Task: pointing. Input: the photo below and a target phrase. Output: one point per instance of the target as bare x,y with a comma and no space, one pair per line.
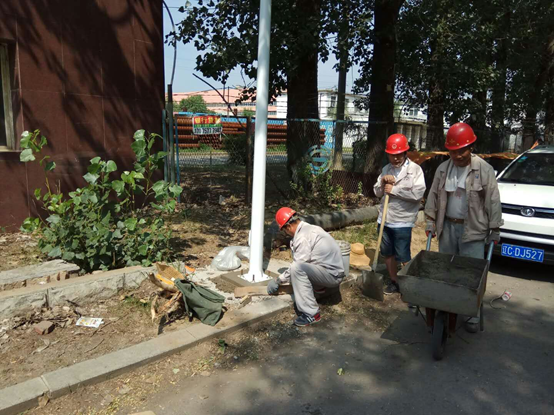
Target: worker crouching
317,264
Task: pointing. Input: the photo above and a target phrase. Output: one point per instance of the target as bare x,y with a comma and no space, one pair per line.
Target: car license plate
522,252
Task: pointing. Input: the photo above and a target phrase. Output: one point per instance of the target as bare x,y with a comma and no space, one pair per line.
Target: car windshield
531,168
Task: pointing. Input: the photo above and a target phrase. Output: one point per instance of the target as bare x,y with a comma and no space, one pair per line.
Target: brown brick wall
87,73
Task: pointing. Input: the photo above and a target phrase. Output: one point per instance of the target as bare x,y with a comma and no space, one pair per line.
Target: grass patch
357,233
136,304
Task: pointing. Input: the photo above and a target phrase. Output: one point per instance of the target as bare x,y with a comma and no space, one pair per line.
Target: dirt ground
127,393
17,250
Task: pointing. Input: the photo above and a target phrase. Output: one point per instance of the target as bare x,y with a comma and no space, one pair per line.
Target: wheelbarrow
446,285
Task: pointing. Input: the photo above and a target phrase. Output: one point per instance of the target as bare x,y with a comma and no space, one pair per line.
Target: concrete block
21,301
86,290
66,380
31,272
21,397
133,279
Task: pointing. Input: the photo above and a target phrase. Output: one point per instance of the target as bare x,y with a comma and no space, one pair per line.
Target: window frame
7,98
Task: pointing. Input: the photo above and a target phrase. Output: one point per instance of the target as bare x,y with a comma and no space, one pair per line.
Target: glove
494,236
430,228
272,287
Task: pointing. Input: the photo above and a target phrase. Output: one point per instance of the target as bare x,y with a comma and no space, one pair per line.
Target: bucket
345,252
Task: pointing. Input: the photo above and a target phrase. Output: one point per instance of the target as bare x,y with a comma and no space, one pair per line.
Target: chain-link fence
214,165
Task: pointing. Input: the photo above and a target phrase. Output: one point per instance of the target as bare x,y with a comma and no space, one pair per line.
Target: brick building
87,73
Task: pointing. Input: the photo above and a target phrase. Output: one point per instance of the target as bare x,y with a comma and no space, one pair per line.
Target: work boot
306,320
391,288
472,325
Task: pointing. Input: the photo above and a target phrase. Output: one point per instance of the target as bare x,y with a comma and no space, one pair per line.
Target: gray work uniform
317,263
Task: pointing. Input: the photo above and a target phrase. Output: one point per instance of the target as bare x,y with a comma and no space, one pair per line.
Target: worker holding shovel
463,207
317,263
403,185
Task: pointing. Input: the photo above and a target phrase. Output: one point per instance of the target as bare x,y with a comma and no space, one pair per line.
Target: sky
186,62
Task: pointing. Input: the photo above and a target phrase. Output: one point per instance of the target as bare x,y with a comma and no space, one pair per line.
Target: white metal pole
256,273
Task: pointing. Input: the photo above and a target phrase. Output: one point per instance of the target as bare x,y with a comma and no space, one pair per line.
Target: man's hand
494,236
272,287
388,179
388,188
430,229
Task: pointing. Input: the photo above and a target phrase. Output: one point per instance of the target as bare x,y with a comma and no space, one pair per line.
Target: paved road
505,370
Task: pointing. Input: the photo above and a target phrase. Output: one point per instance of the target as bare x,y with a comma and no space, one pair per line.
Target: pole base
254,277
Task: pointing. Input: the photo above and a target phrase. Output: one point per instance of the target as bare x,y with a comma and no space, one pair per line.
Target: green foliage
109,222
195,104
316,189
236,147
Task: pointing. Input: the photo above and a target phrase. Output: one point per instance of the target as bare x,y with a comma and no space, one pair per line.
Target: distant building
215,102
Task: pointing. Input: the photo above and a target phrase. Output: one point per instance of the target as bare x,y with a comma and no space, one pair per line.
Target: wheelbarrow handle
429,241
489,253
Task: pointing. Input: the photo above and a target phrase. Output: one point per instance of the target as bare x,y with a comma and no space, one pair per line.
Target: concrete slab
32,272
24,301
134,278
20,397
82,292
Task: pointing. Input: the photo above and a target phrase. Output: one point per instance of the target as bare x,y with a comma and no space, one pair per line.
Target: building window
413,112
6,114
333,101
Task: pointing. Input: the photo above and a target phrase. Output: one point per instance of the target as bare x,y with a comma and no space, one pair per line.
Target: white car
527,195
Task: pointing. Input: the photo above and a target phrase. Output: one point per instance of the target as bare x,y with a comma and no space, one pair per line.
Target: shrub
116,220
237,148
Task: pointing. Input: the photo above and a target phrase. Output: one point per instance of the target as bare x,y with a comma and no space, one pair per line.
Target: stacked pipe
276,134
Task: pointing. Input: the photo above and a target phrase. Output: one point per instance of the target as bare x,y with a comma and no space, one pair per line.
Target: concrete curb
83,290
25,395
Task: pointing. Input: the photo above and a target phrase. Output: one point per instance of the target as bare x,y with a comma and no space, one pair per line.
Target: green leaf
139,135
56,252
51,165
53,219
139,148
68,256
111,166
117,234
38,193
25,139
159,187
80,256
175,190
118,186
138,175
77,200
26,155
95,160
131,223
143,249
94,168
30,225
91,178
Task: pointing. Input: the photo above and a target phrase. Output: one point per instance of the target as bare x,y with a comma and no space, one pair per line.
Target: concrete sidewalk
505,370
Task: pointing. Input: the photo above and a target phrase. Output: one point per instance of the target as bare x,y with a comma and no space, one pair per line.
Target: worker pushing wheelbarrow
463,210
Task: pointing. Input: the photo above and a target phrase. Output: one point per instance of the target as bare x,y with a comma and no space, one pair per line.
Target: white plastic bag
229,258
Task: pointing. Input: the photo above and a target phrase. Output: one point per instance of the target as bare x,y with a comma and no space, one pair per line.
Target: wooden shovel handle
381,228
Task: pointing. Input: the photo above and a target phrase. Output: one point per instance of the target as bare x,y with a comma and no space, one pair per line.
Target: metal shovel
372,282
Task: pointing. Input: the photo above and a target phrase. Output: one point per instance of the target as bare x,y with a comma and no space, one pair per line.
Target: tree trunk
302,94
529,128
435,105
549,113
478,121
343,70
381,96
499,87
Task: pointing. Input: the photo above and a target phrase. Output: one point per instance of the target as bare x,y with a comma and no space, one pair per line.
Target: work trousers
450,242
304,278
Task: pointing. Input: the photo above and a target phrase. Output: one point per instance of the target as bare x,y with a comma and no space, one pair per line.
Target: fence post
248,181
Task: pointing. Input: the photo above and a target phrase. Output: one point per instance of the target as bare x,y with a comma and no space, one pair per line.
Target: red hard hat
459,135
396,144
283,215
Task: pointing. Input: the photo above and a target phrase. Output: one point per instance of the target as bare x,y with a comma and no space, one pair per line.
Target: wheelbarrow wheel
440,334
481,318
